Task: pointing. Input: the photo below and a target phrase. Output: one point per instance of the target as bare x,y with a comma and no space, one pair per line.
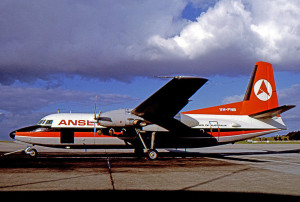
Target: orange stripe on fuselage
38,134
57,134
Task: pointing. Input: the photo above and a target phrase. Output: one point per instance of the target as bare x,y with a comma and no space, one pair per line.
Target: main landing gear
152,153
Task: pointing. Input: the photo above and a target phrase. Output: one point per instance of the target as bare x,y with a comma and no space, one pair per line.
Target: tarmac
234,169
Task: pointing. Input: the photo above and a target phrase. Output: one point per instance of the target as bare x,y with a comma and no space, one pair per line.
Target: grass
269,142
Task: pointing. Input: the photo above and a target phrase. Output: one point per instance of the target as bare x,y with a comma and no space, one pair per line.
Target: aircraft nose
12,135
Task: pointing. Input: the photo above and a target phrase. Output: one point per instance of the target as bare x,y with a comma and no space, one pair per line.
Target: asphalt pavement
253,169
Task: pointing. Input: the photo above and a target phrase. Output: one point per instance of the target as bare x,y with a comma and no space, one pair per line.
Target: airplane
158,123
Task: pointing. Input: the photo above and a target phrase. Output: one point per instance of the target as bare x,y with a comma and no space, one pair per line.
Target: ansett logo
263,90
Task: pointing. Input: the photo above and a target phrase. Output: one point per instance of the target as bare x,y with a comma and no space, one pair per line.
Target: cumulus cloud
91,38
214,29
241,31
121,40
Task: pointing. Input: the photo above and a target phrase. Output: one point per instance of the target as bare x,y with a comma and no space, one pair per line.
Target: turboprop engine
120,118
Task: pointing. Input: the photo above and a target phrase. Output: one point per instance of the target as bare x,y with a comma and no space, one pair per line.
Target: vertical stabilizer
260,96
261,93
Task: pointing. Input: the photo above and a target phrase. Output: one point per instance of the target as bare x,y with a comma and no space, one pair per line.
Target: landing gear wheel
152,154
31,152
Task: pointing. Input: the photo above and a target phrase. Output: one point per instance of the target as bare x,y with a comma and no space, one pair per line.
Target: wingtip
190,77
181,77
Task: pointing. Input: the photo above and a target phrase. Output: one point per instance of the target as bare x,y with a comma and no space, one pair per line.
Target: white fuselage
80,129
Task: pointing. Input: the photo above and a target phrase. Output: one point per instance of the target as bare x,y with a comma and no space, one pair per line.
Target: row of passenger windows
45,122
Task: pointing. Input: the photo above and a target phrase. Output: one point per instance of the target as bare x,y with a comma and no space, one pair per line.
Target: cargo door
67,136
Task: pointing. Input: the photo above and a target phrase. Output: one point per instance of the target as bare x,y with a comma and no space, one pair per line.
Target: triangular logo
263,90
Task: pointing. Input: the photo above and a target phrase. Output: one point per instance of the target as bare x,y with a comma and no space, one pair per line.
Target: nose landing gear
31,152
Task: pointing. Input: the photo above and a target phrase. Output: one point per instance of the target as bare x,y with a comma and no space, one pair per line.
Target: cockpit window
45,122
49,122
41,121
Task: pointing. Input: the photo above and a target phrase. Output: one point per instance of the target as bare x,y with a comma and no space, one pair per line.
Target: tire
152,154
31,152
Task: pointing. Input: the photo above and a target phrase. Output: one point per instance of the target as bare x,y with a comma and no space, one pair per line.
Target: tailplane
271,112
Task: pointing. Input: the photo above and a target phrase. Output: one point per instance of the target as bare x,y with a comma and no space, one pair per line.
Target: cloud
90,38
286,96
13,121
230,36
291,96
121,40
212,30
232,99
14,99
23,106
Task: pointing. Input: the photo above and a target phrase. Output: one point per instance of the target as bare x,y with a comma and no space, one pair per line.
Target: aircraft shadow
163,155
229,155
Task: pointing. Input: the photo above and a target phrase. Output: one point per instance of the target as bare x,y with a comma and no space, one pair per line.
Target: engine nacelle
120,118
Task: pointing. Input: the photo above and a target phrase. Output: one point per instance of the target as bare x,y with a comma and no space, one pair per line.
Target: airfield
268,169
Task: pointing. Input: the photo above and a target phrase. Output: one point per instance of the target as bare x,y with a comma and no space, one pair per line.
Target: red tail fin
261,93
260,96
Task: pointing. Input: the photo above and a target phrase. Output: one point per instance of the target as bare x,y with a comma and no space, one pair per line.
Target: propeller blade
99,115
95,111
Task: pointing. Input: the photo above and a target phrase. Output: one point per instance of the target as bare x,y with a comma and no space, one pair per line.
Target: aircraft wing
164,104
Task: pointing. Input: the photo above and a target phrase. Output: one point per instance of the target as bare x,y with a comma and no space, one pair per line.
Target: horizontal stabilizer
272,112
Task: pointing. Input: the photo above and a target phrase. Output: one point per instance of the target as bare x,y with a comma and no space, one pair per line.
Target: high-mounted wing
163,105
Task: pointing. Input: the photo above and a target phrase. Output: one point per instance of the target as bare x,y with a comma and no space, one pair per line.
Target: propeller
98,118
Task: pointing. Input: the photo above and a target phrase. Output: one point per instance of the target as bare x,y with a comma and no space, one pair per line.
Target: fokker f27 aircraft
157,123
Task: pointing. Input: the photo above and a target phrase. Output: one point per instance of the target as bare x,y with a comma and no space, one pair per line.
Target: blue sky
62,54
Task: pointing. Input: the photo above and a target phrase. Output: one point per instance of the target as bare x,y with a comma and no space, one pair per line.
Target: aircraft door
66,136
214,129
